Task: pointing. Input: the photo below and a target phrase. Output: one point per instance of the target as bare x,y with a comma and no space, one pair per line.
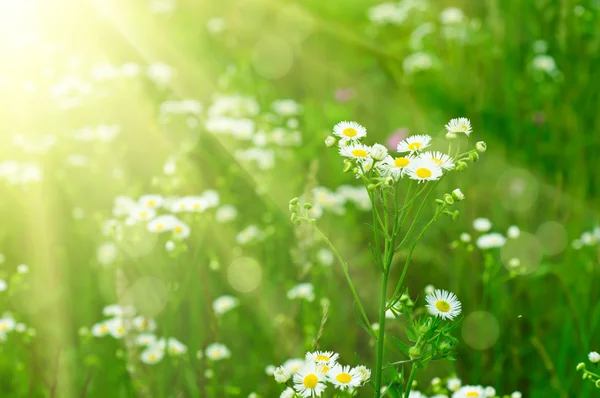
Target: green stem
411,377
348,279
381,338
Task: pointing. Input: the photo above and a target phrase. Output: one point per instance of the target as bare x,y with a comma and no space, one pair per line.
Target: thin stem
348,279
411,377
414,222
381,338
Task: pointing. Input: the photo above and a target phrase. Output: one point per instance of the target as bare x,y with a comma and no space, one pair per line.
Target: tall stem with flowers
400,187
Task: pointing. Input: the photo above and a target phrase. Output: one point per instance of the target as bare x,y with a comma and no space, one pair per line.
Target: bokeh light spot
272,57
517,189
552,237
148,295
527,249
244,274
480,330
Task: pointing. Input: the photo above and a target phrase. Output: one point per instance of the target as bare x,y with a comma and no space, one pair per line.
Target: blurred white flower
490,241
217,352
482,224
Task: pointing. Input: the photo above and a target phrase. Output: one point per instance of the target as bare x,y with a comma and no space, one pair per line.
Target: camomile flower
364,373
309,381
459,125
99,330
343,377
414,143
145,339
482,224
349,130
181,229
224,304
443,304
162,223
116,328
594,357
7,325
175,347
445,161
322,357
424,170
395,166
356,151
144,324
142,214
217,352
365,166
288,393
490,241
293,365
151,201
453,383
281,375
469,392
152,355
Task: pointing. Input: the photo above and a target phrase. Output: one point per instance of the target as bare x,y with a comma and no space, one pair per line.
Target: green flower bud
330,141
461,166
404,298
423,329
439,201
294,201
473,156
580,366
598,383
445,347
347,166
410,303
371,187
307,206
458,195
481,146
389,181
450,135
455,215
448,199
414,352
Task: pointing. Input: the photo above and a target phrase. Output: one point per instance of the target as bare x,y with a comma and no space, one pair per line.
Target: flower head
349,130
470,391
310,381
594,357
459,125
445,161
424,170
443,304
414,143
343,377
356,151
395,167
217,352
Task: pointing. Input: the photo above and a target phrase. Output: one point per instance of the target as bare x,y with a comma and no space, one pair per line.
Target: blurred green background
526,73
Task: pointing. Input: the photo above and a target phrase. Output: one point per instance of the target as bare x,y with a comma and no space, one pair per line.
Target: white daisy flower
226,213
293,365
453,383
327,359
465,237
364,372
162,223
594,357
349,130
424,170
459,125
224,304
144,324
142,214
490,392
217,352
146,339
281,375
151,201
356,151
152,355
343,377
513,232
482,224
175,347
445,161
304,291
98,330
395,167
414,143
181,229
288,393
490,241
443,304
7,325
309,381
116,328
469,392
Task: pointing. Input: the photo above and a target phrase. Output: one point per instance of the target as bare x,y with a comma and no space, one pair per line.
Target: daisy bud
281,375
294,201
307,206
598,383
378,152
389,181
371,187
423,329
410,304
347,166
461,166
445,346
330,141
295,220
414,352
580,366
294,208
594,357
473,156
448,199
404,298
455,215
458,195
481,146
439,201
450,136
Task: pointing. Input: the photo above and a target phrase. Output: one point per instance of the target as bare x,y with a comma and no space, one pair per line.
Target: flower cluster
452,387
310,377
588,238
592,375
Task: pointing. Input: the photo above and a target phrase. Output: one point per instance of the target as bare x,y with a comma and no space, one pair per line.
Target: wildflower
451,16
151,201
459,125
429,289
465,237
513,232
443,304
395,167
181,230
458,195
516,394
152,355
288,393
286,107
514,263
293,365
469,391
424,170
482,224
3,285
162,223
22,268
378,152
490,392
481,146
330,141
100,329
144,324
175,347
224,304
304,291
490,241
349,130
453,383
594,357
414,143
269,370
325,358
146,339
116,328
309,381
343,377
325,257
170,245
544,63
364,373
217,352
281,375
355,151
441,159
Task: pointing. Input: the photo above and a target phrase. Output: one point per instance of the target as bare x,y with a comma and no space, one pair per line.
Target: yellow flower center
360,153
423,172
182,206
401,162
343,378
415,146
445,307
3,327
438,161
196,206
160,227
311,380
178,229
472,394
151,203
152,357
143,214
349,132
322,358
464,128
